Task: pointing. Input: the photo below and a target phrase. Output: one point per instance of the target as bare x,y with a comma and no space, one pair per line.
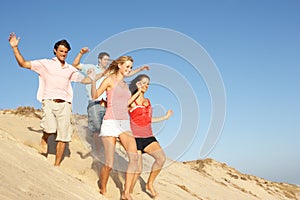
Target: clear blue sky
254,45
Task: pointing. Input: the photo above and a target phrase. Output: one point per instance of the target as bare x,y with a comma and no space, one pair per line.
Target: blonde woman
116,120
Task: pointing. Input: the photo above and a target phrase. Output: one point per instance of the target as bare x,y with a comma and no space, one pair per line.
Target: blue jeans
95,116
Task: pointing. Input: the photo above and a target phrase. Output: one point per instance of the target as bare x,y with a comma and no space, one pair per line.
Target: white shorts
113,127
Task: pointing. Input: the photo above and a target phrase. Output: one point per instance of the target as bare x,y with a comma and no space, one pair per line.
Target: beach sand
26,174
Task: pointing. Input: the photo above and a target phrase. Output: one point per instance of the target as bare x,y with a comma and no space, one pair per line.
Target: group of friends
115,110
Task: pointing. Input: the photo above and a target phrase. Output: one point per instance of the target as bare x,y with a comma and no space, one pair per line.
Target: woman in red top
140,122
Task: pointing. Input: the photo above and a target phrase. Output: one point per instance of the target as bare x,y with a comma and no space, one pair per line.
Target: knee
133,158
161,160
134,163
107,167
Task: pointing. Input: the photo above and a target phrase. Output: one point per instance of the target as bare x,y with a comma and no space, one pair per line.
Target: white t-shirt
98,70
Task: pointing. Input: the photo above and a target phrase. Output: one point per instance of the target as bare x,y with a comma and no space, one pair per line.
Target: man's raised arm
76,62
14,41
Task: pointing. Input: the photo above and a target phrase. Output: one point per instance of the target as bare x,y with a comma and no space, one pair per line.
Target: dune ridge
25,174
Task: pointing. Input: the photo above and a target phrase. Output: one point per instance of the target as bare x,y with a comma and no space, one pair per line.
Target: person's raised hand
91,73
13,40
139,86
84,50
169,114
146,67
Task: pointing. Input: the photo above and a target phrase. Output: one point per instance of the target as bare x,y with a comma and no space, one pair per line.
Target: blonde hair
114,68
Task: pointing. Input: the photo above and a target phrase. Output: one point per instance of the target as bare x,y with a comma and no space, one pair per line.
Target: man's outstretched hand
13,40
91,73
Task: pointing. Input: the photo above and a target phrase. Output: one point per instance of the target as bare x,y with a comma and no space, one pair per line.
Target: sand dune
25,174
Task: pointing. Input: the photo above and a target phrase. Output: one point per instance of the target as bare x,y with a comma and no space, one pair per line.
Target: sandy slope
25,174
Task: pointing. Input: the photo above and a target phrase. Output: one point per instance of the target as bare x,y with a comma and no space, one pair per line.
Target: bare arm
104,86
98,76
76,62
95,93
133,72
88,80
133,97
14,41
167,116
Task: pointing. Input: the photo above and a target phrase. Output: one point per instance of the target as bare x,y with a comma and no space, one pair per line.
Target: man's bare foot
126,196
44,144
151,190
43,148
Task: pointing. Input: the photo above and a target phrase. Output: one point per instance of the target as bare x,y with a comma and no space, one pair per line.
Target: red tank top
140,120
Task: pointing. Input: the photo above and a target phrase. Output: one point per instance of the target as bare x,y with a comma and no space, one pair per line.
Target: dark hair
132,86
102,54
62,42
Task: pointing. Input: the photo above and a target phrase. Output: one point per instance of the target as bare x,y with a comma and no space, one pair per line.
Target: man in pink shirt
55,92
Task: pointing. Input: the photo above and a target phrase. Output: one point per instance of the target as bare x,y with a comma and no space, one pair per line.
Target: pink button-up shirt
55,80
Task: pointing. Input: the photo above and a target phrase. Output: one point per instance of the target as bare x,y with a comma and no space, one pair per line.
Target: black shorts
142,143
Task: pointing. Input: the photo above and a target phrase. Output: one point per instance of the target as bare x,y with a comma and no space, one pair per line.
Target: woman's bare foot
151,190
104,193
126,196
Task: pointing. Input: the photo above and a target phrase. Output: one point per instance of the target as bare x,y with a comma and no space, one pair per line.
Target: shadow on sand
120,163
52,144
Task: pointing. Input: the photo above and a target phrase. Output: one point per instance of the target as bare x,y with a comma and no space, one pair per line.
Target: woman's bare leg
138,172
109,144
158,154
129,144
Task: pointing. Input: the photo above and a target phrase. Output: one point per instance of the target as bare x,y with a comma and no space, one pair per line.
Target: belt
59,101
102,103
